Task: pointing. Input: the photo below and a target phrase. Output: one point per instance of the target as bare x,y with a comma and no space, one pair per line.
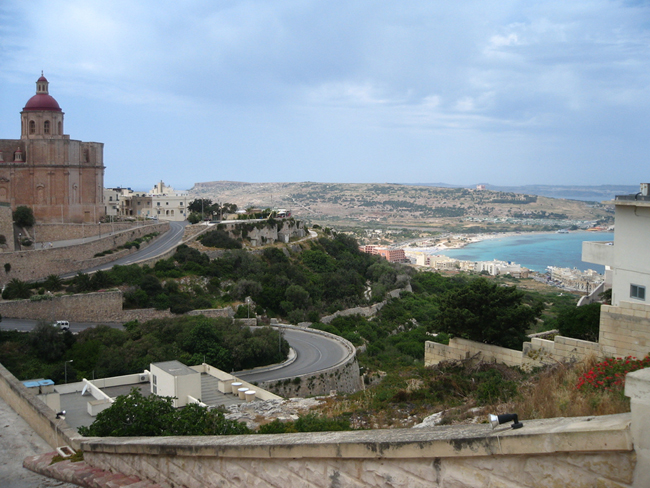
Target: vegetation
103,351
138,415
485,312
16,290
24,216
580,322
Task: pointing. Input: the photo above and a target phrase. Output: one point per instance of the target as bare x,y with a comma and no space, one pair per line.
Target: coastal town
427,254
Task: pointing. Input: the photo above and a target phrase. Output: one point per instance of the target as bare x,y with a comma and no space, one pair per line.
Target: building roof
175,368
42,101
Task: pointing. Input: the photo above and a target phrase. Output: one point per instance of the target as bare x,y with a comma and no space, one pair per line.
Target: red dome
42,101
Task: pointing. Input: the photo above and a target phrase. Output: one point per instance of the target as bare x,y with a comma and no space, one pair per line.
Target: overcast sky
463,92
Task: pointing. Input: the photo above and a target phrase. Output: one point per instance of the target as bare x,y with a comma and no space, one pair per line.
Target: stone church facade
59,178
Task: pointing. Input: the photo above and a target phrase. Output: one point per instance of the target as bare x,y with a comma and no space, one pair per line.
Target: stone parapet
578,452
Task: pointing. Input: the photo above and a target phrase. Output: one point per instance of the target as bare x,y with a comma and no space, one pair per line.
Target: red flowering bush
610,374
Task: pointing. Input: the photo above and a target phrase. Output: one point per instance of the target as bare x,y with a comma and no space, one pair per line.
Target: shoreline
463,240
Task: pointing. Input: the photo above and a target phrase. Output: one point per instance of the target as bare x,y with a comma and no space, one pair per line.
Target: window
32,127
46,127
637,291
158,204
59,132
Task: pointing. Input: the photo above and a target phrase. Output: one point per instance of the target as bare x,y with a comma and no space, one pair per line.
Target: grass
466,391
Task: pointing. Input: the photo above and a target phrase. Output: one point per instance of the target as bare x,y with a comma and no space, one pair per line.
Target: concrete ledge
565,435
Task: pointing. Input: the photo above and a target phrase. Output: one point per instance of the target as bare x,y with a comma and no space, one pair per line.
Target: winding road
314,352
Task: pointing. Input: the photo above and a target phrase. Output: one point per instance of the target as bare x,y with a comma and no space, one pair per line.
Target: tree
482,311
24,216
16,290
136,415
580,322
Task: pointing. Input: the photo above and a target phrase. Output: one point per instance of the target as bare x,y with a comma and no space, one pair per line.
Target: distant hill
400,205
585,193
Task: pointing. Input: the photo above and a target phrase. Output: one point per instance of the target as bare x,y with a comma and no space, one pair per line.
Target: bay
533,251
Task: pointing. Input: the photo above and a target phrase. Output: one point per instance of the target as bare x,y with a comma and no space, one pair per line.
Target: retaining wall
103,307
344,377
37,264
624,331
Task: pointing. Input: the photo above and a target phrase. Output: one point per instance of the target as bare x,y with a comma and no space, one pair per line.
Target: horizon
525,94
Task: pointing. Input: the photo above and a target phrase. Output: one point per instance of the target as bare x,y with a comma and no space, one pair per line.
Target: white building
167,203
627,260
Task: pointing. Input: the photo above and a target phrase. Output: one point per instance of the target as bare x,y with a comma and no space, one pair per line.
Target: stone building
59,178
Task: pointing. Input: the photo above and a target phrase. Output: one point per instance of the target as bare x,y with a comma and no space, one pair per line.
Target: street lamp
65,367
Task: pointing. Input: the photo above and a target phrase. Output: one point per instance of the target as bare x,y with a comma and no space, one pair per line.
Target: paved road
159,246
315,353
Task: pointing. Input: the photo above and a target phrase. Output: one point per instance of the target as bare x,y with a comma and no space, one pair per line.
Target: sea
534,251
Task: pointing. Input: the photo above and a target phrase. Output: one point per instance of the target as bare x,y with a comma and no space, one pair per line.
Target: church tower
41,118
60,179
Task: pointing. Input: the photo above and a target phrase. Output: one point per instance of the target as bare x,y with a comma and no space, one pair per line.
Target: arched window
59,132
32,127
46,127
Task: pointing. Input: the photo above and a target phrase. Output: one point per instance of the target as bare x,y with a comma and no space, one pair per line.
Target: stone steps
83,474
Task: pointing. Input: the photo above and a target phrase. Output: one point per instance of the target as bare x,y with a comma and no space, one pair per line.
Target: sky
500,92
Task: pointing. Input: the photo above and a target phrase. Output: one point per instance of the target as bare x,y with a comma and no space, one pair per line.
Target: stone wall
6,227
103,307
365,311
462,349
625,330
39,416
61,232
582,452
344,377
37,264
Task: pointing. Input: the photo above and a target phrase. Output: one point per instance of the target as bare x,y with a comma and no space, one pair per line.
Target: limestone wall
61,232
580,452
625,330
103,307
36,264
344,377
462,348
6,227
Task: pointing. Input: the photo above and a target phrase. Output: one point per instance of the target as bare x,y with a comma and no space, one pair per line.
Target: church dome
42,101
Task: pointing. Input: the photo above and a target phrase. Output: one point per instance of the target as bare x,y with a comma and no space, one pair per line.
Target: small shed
174,379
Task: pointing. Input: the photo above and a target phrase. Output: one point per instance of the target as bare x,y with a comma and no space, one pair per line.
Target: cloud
476,72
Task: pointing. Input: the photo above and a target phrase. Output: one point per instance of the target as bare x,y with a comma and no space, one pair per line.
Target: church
60,179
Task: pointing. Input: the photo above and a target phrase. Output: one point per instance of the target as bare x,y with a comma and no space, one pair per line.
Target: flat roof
175,368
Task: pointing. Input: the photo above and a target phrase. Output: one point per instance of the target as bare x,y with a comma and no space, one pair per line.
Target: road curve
315,353
159,246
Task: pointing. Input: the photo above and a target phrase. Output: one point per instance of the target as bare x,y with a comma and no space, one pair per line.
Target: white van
62,324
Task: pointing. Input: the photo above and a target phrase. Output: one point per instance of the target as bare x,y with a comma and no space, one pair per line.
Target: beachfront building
495,268
576,280
392,255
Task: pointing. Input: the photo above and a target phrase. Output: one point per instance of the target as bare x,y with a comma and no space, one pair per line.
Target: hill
399,205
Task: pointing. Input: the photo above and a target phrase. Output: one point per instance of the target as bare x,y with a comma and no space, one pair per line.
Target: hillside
398,205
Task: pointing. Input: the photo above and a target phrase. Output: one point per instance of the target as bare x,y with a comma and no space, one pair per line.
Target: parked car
62,324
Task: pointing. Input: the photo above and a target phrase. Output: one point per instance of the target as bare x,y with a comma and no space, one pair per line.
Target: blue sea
534,251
